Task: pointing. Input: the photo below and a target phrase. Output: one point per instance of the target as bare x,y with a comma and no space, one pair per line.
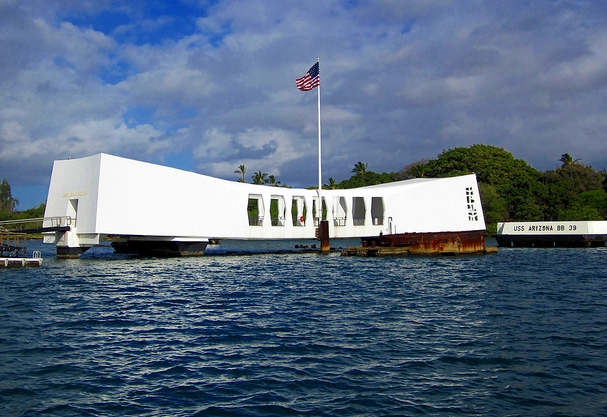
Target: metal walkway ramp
38,225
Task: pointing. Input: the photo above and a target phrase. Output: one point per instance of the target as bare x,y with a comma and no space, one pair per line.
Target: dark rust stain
431,243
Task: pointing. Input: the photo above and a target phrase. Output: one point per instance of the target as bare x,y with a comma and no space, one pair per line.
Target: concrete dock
7,262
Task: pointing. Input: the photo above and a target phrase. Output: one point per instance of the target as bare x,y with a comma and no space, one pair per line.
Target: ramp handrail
55,221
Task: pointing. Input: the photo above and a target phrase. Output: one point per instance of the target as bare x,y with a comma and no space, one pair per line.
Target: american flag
310,80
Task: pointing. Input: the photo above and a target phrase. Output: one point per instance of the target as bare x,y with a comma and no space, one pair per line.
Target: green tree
494,207
31,213
332,185
597,200
259,178
603,174
567,192
360,169
7,202
568,160
273,181
580,178
371,178
415,169
513,180
241,171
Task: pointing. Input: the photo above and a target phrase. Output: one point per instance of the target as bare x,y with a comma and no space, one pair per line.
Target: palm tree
260,178
332,184
241,171
568,163
359,169
567,160
272,181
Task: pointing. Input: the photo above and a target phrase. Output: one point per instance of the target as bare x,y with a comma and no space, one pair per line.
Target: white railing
20,224
339,221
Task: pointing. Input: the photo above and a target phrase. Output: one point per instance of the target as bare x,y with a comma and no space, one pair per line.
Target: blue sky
210,85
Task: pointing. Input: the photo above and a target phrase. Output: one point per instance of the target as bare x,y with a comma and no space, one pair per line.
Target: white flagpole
319,154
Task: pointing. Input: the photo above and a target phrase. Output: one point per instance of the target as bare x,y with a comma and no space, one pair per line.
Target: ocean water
518,333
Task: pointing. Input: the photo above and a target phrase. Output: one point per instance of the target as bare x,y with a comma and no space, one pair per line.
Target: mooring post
325,244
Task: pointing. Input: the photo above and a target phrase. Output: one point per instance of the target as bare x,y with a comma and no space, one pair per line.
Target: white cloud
401,81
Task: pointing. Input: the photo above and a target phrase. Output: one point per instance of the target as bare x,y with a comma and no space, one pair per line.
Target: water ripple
518,333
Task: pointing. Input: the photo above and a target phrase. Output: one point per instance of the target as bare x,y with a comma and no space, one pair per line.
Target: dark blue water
520,333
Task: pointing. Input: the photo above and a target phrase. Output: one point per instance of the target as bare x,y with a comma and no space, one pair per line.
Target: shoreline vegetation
511,189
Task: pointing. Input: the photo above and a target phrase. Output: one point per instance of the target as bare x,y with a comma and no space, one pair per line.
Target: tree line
259,178
360,178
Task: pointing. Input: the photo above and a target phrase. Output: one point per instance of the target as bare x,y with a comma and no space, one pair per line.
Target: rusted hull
441,243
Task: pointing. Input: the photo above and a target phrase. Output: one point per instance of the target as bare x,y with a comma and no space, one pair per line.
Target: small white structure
143,206
552,234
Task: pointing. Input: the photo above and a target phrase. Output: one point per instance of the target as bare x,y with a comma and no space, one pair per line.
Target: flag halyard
311,80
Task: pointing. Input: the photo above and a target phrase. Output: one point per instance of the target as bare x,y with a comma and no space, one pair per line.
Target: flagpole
323,225
319,155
